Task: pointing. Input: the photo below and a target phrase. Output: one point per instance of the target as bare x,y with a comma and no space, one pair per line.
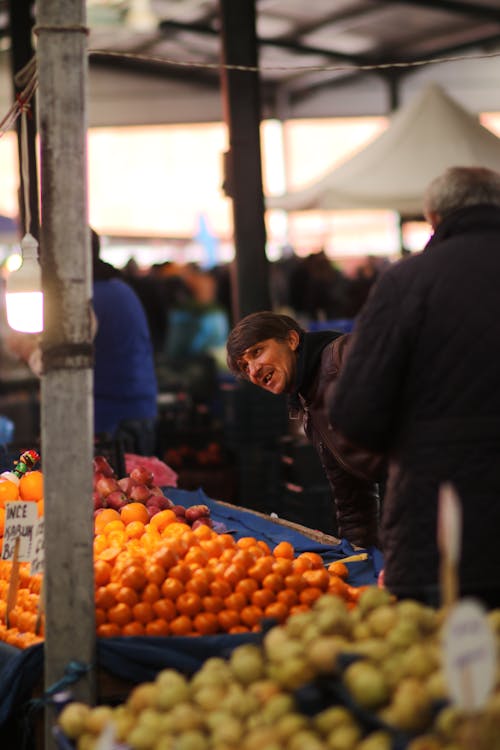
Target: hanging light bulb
23,291
140,16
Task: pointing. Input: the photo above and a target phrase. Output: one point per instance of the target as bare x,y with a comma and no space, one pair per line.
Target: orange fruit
134,576
262,597
273,581
151,593
189,603
235,601
288,597
155,573
284,549
277,610
206,623
251,615
158,627
212,603
309,595
318,577
234,573
339,569
108,630
171,588
133,530
245,542
2,521
182,625
261,568
133,628
120,614
228,619
104,517
204,532
181,571
246,586
127,595
221,588
337,586
142,612
316,560
104,599
102,572
295,582
283,566
134,512
162,519
116,525
31,485
165,555
8,491
165,609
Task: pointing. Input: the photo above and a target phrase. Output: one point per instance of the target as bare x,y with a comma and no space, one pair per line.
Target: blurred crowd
189,309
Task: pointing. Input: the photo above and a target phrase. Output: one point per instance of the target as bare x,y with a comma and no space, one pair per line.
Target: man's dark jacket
422,382
351,471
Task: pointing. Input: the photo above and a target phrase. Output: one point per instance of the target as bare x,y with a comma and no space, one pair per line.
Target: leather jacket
352,472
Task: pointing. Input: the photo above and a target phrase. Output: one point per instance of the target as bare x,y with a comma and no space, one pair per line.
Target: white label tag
469,655
20,520
38,556
107,738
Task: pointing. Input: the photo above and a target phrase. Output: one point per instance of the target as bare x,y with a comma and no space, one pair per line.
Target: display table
122,662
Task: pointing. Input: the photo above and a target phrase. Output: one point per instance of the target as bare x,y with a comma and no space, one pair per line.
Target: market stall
125,661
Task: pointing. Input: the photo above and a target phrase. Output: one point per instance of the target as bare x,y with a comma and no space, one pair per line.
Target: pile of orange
163,578
160,577
23,616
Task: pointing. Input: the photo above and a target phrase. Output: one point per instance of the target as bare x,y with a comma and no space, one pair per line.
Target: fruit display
162,569
331,678
23,482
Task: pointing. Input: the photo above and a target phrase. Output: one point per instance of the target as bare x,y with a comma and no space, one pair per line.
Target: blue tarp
139,659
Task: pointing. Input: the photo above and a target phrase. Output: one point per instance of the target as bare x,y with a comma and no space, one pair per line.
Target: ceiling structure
157,61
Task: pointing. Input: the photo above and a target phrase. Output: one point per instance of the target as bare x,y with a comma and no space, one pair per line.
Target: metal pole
67,382
241,99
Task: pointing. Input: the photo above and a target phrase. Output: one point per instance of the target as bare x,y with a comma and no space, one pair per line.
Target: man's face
271,363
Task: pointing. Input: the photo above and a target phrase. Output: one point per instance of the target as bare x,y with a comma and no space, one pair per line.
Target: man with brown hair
273,352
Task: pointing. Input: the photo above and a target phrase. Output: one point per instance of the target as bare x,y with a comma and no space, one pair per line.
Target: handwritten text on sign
38,556
20,521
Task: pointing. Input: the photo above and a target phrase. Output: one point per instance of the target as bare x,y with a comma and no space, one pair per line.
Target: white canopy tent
429,134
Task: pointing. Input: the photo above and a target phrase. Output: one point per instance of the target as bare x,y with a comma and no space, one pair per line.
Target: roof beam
475,10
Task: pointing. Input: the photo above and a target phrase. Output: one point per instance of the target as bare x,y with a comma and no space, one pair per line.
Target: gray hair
458,187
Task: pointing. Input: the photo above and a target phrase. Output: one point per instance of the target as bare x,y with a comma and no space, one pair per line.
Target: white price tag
107,738
469,655
20,520
38,556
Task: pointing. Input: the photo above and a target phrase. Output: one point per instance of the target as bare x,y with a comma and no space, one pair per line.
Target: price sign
469,655
20,521
38,557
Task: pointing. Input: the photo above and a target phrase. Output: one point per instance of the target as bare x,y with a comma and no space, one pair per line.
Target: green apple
367,684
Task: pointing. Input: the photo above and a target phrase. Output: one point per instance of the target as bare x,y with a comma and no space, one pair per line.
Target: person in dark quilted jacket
422,384
273,352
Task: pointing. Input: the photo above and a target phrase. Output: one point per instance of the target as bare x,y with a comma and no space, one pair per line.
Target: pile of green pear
250,701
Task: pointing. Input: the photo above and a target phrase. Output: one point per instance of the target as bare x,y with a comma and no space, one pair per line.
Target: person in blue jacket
125,387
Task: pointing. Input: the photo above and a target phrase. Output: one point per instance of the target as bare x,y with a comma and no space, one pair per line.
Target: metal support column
67,402
243,179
